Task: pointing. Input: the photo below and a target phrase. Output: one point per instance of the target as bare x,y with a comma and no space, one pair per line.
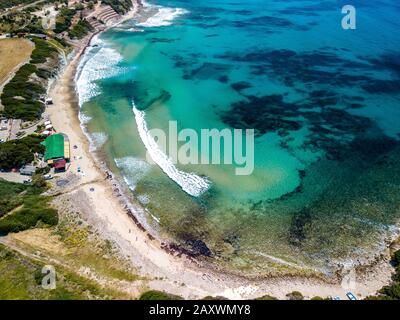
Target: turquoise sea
324,103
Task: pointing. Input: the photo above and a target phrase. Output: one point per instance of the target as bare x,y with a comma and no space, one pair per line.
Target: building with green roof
57,147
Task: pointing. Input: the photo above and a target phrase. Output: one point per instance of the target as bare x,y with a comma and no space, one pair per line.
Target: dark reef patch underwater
325,106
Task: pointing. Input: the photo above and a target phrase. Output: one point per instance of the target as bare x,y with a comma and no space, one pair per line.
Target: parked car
351,296
48,177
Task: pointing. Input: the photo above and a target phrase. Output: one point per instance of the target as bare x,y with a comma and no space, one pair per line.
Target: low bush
295,295
80,30
42,51
158,295
23,207
392,291
27,218
267,297
17,153
64,18
11,197
20,96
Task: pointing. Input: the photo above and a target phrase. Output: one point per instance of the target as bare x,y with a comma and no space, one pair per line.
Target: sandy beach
101,203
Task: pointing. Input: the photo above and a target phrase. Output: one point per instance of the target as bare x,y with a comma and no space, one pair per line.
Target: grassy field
21,279
13,52
87,266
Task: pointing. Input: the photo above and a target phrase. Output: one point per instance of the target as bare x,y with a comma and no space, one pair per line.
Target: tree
38,181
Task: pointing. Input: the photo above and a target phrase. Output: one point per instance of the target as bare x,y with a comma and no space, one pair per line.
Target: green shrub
211,298
38,181
27,218
4,4
26,106
120,6
266,297
64,18
158,295
295,295
396,258
80,30
43,170
17,153
11,197
392,291
42,51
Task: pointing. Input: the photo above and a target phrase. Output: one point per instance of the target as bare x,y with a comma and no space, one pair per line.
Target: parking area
4,129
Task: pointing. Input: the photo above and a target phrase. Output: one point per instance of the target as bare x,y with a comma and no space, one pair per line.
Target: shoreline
110,215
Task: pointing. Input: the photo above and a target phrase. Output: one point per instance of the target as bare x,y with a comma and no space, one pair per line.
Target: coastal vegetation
21,279
120,6
23,207
266,297
17,153
42,51
4,4
64,19
81,29
391,291
64,22
20,21
21,95
13,52
68,242
295,295
158,295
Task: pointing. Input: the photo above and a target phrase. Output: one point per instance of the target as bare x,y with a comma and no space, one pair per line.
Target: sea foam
164,16
191,183
132,169
100,62
97,140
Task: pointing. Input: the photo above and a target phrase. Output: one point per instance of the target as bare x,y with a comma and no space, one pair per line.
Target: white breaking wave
144,199
189,182
83,118
99,63
97,140
133,170
163,17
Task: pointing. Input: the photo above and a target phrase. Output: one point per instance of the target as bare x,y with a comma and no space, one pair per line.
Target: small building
27,170
59,165
57,148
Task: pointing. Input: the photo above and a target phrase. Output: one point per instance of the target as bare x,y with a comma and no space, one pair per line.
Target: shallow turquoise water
323,102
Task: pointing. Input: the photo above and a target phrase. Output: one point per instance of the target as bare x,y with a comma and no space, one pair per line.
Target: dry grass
75,251
13,52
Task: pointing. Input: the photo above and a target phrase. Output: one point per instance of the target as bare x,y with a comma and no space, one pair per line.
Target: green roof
54,147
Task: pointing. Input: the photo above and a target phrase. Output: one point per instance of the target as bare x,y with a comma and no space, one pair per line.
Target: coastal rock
198,247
